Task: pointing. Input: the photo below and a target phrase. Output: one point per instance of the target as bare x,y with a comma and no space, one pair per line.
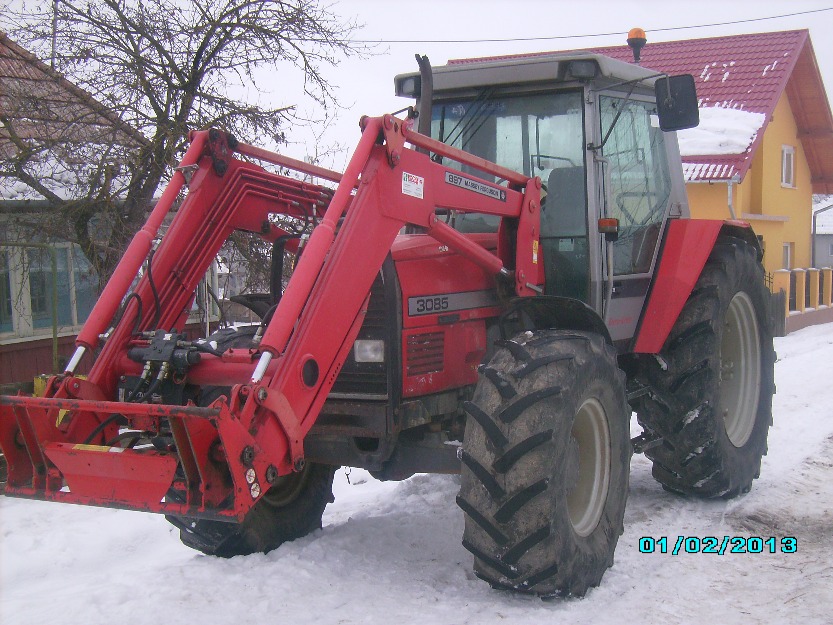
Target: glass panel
534,135
639,180
538,135
5,295
787,159
86,284
40,287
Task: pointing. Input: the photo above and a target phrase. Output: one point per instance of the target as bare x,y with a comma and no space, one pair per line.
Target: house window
788,166
26,290
41,288
788,256
830,253
28,284
6,324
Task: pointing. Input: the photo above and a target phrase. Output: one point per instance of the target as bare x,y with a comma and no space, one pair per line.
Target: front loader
495,282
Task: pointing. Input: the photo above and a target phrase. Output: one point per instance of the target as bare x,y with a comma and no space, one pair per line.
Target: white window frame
788,166
787,256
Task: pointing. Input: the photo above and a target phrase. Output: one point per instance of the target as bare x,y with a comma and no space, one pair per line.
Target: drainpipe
732,181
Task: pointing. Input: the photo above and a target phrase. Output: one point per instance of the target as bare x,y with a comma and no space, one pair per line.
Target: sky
365,86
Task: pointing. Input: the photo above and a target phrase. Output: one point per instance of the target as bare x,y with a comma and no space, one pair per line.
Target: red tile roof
45,106
747,72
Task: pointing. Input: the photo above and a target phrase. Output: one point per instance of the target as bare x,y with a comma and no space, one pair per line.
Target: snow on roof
721,131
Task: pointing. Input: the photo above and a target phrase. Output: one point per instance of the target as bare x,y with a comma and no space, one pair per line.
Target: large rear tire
546,459
711,388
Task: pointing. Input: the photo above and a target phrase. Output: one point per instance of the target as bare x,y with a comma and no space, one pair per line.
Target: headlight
369,351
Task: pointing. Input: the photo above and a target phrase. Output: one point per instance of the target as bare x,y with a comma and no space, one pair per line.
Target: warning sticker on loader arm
413,185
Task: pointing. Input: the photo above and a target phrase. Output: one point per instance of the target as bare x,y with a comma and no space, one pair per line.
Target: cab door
638,193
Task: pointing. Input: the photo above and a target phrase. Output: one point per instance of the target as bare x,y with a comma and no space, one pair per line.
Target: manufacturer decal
413,185
535,252
450,302
482,188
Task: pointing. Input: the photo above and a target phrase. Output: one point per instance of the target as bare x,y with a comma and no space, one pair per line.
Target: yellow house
765,141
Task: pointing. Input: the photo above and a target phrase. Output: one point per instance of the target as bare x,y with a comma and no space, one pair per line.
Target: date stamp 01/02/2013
719,545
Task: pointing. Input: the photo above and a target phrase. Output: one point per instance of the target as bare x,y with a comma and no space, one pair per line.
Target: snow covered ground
391,553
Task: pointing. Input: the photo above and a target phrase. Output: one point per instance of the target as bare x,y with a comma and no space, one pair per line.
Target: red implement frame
225,455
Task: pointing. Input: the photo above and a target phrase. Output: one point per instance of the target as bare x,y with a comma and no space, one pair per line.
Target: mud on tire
546,459
711,388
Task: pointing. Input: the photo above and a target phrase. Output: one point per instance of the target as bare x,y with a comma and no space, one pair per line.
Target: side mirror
677,102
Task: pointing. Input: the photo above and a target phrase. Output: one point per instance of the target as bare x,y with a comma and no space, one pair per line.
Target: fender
562,313
686,248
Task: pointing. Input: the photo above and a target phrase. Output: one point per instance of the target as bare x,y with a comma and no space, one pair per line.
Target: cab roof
548,68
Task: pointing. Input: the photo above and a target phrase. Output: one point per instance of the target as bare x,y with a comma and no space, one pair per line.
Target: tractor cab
589,127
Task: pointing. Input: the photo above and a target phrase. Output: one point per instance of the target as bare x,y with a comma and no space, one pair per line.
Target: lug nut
299,465
271,474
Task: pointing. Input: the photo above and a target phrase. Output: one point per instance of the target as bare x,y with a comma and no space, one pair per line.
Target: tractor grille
369,378
425,353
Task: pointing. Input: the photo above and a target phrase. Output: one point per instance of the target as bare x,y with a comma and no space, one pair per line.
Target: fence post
827,278
813,286
800,289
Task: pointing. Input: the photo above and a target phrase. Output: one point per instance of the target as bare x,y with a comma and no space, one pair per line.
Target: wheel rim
286,489
586,500
740,370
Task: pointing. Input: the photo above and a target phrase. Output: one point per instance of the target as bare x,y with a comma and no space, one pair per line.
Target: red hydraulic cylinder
296,294
110,299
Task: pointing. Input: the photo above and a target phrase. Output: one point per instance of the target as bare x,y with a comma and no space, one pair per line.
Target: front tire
545,464
711,389
290,509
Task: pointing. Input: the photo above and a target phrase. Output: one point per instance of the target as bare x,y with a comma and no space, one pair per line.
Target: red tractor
499,279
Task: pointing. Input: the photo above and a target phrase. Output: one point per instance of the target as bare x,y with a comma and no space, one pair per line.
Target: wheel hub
586,500
740,370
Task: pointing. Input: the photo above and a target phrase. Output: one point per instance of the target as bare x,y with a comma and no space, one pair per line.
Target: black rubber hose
100,427
158,315
276,269
117,319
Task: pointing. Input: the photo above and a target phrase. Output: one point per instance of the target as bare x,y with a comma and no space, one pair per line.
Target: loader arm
64,446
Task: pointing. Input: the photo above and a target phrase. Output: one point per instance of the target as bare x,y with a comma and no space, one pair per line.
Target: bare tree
160,68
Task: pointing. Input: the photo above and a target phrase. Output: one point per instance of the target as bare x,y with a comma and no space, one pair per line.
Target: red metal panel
113,474
427,269
437,358
687,246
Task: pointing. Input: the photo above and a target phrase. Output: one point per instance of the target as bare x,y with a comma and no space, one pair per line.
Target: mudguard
686,248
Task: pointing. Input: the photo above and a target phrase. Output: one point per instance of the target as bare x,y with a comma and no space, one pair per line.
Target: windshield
530,134
537,135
